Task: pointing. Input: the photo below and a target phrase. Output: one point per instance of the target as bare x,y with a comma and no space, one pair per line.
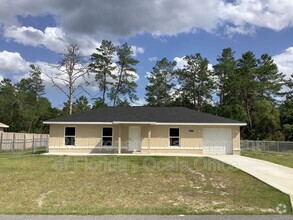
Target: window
69,135
107,137
174,136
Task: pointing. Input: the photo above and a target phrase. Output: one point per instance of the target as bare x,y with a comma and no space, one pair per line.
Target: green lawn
282,158
34,184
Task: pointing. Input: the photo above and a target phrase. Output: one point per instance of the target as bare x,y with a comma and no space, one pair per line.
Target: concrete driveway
279,177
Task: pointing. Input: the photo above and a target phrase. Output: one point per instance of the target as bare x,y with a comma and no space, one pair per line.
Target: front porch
115,139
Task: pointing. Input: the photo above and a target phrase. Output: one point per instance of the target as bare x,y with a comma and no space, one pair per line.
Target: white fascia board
76,123
134,122
205,124
3,125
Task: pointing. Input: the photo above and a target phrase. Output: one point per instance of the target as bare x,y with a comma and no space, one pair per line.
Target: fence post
13,143
24,142
47,143
1,140
33,144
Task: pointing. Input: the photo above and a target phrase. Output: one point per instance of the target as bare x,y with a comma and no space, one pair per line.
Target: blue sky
37,31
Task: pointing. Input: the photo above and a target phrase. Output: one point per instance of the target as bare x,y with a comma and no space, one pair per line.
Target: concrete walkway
279,177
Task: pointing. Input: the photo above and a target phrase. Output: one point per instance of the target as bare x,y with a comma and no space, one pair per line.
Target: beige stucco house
2,126
144,130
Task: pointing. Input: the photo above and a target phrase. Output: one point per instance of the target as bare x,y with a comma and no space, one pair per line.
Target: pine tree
246,84
195,80
125,84
102,66
31,90
269,78
161,83
224,71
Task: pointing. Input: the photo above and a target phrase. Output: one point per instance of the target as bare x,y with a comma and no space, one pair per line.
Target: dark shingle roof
144,114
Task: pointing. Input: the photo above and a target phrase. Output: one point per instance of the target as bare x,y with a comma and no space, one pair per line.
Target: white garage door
217,141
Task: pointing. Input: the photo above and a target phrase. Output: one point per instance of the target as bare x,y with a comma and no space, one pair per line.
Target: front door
134,138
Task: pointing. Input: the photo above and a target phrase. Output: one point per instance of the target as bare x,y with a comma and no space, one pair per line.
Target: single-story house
2,126
144,130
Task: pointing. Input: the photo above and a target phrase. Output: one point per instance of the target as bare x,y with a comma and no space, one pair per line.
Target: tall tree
247,84
196,81
224,71
71,74
125,84
288,83
161,83
34,84
31,89
10,106
286,117
270,80
102,66
286,112
266,121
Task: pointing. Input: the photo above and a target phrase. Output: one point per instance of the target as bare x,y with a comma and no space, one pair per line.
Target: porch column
119,139
149,139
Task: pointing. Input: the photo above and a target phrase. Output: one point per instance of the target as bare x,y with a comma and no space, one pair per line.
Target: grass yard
285,159
34,184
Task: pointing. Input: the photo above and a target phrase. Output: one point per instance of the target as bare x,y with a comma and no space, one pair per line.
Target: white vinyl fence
22,141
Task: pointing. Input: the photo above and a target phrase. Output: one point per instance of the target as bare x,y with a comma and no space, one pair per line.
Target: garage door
217,141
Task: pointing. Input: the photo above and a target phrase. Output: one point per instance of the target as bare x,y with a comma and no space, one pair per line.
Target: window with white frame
107,139
174,137
70,136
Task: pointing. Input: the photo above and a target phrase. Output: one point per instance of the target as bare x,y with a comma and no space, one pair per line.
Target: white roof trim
75,123
142,122
134,122
3,125
204,124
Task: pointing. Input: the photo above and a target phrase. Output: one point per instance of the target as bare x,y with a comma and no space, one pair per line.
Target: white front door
134,138
217,141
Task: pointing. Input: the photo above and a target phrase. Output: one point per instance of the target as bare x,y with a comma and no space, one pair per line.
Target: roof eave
142,122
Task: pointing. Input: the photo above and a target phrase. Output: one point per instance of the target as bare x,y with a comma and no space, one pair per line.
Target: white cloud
210,67
115,19
137,50
152,59
52,38
246,15
95,20
180,63
12,63
139,102
285,62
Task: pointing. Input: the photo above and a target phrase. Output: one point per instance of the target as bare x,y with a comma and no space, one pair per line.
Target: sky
36,32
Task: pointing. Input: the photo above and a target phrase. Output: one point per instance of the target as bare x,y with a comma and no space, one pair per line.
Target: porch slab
123,154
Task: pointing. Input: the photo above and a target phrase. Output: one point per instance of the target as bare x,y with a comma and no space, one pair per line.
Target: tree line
247,89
